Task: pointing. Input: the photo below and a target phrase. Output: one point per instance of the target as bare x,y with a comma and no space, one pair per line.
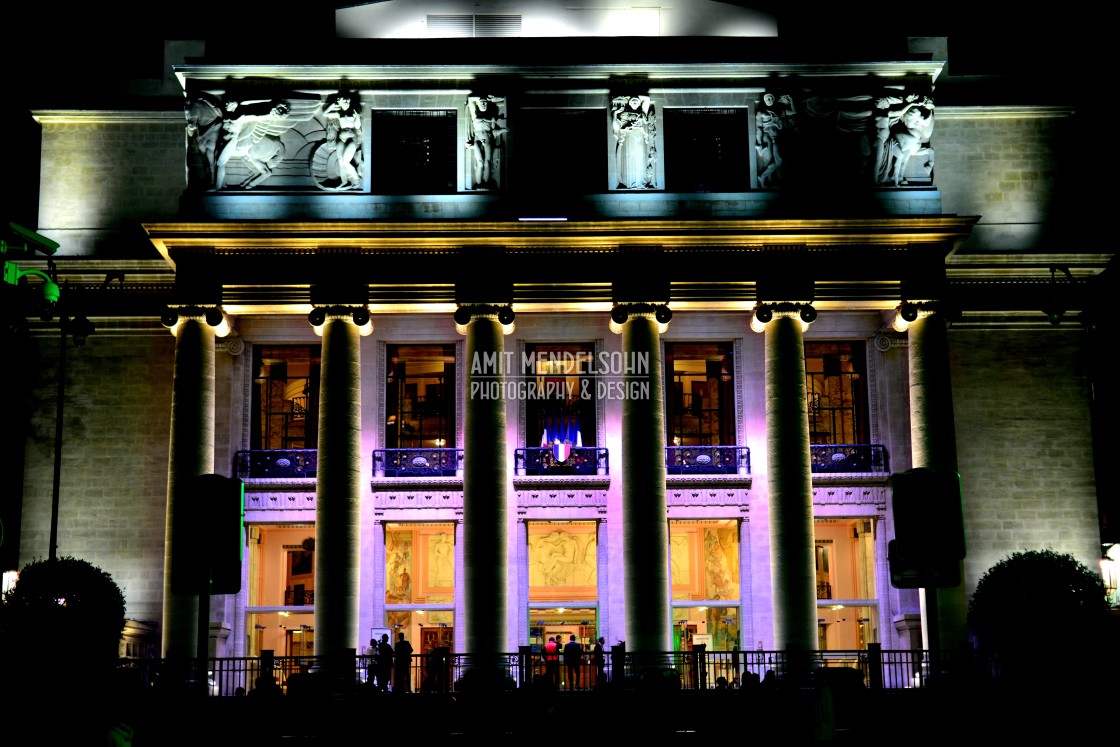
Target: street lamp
80,328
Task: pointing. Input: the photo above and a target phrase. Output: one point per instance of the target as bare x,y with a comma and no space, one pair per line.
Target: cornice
91,116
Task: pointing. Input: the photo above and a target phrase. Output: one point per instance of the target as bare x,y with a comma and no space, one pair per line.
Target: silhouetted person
266,690
299,683
573,657
599,659
402,656
552,662
384,663
769,680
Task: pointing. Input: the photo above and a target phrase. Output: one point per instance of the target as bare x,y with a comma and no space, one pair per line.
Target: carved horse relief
257,141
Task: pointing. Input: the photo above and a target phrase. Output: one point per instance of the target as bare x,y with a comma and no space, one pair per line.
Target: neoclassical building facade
505,346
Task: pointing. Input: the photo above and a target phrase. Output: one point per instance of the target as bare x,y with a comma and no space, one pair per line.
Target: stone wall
113,487
101,176
1021,403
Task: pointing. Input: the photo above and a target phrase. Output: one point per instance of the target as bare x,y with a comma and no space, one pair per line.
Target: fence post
875,666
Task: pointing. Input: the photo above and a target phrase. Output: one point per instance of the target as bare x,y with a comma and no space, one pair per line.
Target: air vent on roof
465,25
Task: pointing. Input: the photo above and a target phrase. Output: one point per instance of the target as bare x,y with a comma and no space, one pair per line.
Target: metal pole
58,408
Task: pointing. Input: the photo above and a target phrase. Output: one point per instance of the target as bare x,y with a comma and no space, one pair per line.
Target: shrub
65,605
1037,600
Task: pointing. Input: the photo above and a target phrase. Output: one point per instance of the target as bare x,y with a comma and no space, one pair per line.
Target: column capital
359,315
910,311
212,314
623,312
466,313
765,312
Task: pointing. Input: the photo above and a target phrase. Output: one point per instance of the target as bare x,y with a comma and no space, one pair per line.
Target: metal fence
440,671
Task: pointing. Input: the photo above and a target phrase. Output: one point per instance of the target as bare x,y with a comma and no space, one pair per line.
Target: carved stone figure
337,161
885,117
910,137
773,120
486,140
256,139
204,115
634,121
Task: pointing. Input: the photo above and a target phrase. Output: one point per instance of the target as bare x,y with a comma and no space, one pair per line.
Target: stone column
191,455
790,486
746,603
645,522
602,580
338,489
933,442
485,488
378,574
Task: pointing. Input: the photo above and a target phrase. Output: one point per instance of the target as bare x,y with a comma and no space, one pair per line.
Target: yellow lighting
756,325
898,324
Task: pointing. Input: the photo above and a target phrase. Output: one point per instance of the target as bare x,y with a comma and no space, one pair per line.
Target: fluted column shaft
191,454
338,490
645,525
933,443
485,554
790,486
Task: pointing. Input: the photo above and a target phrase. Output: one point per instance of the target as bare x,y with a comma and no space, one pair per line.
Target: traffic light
207,535
928,527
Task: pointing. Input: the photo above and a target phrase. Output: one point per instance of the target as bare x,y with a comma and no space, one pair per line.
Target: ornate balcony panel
577,460
417,463
277,463
707,460
865,458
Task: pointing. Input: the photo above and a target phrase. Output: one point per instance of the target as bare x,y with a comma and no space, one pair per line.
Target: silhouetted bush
1039,604
65,608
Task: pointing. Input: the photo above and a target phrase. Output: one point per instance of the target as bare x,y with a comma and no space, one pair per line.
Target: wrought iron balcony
848,458
707,460
824,590
543,460
417,462
277,463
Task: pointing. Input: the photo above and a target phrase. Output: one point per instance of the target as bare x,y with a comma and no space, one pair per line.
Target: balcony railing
288,463
417,462
441,671
848,458
543,460
707,460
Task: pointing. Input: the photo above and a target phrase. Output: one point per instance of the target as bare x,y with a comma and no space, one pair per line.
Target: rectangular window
700,408
420,397
704,561
415,151
704,558
707,150
836,390
547,142
285,397
560,375
419,564
563,561
847,605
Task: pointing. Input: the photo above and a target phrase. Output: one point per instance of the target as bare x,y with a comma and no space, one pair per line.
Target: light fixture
81,328
1108,570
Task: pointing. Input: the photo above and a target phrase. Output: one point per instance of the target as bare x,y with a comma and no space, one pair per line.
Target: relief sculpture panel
829,137
300,141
